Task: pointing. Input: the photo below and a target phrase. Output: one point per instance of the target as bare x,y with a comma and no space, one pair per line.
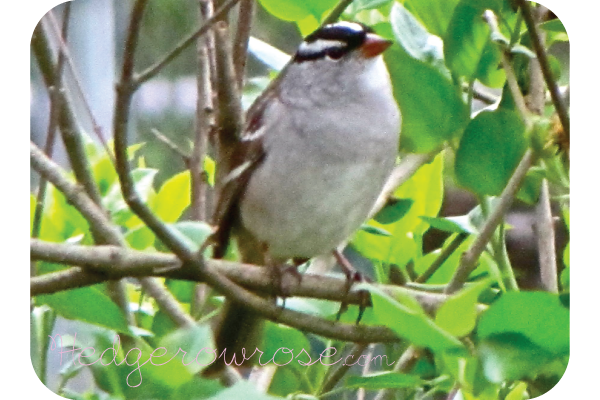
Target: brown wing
246,157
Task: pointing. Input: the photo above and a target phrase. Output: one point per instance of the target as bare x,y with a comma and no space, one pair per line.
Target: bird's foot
352,277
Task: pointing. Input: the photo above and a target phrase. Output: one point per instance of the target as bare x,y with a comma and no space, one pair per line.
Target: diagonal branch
76,196
469,259
52,126
540,52
337,11
151,71
70,129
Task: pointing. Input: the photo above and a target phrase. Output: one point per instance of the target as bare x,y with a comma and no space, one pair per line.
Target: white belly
307,222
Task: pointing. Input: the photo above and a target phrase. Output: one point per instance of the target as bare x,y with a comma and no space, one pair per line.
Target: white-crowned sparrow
316,150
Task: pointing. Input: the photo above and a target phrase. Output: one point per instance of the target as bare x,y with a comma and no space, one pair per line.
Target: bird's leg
352,276
274,272
292,269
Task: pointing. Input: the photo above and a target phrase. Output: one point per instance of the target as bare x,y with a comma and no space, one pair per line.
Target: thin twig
240,44
230,115
544,226
167,303
172,146
469,259
405,363
52,125
544,230
204,122
337,11
125,90
441,259
511,78
342,368
93,214
540,52
407,168
65,52
204,125
151,71
70,130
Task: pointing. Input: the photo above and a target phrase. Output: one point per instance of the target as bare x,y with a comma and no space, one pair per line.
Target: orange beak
374,45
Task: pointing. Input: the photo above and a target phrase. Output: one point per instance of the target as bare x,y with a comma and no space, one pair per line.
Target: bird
315,151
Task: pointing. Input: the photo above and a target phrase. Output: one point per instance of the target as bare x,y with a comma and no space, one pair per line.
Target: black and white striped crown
333,41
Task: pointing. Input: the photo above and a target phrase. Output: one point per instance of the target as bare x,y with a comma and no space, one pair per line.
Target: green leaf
489,71
140,238
173,197
410,322
360,5
519,392
373,230
114,202
307,25
61,220
538,316
425,189
458,314
89,305
393,211
383,380
458,224
510,356
445,272
193,340
415,39
434,14
489,151
193,233
243,390
292,10
554,25
277,337
529,192
433,110
210,167
466,39
104,174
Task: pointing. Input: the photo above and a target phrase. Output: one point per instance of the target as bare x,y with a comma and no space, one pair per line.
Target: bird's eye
336,53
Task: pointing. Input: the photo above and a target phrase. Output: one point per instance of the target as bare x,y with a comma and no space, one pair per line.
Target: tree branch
544,231
540,52
229,115
469,259
52,126
70,130
151,71
340,370
204,122
114,262
407,168
240,43
76,196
